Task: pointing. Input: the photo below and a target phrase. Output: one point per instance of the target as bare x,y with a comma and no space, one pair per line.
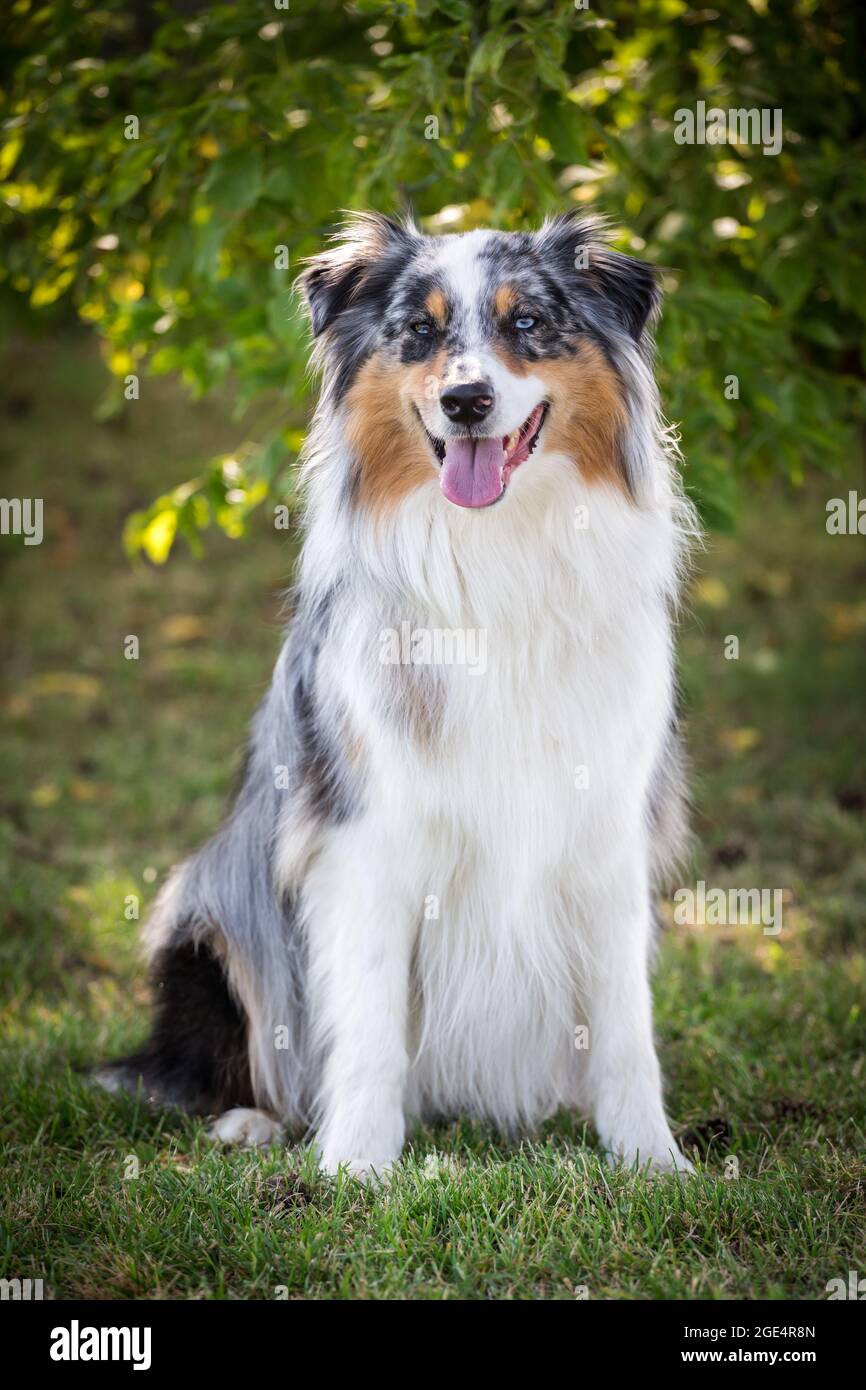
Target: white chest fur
497,825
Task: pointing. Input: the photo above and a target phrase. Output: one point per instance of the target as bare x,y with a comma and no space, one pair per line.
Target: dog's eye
421,327
525,322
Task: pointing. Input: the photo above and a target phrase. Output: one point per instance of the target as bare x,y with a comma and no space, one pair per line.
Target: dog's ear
334,278
632,287
577,243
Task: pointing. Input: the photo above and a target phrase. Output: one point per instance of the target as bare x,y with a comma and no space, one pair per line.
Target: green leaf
235,181
157,537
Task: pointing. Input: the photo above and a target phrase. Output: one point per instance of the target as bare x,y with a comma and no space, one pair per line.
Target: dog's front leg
360,929
624,1079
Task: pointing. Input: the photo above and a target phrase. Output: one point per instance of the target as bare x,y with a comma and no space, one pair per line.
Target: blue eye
525,322
421,327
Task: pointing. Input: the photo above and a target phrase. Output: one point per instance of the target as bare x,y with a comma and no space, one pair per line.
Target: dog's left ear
334,279
630,285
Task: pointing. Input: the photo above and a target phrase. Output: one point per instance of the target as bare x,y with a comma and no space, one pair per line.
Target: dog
434,894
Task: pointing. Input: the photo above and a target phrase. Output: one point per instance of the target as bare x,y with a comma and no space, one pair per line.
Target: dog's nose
468,403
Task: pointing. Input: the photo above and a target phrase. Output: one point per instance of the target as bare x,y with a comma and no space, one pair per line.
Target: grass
113,768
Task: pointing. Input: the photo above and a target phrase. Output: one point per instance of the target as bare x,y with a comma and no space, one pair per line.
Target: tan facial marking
437,307
587,413
505,300
421,382
517,366
392,456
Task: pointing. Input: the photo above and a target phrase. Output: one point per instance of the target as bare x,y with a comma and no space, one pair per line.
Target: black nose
469,403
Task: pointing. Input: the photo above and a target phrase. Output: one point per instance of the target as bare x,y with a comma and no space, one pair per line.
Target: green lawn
113,768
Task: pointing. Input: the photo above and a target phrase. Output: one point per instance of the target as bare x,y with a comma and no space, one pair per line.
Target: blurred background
163,170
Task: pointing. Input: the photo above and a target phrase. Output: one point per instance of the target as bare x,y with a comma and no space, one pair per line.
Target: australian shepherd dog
434,893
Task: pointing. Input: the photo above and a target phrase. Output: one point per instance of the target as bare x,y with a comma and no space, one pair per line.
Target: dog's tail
226,959
227,1027
197,1055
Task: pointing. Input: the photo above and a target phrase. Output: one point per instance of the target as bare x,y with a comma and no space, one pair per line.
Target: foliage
257,123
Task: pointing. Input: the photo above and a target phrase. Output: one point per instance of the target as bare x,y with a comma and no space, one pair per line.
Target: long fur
433,876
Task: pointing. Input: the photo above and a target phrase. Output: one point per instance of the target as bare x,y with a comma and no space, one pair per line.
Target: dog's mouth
475,471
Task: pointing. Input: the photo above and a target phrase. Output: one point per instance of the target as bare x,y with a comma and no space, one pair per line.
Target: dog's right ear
334,278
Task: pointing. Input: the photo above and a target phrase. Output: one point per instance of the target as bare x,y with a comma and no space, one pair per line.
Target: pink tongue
472,471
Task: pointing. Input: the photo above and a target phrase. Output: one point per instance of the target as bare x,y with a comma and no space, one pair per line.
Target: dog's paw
111,1079
673,1162
244,1128
653,1163
371,1172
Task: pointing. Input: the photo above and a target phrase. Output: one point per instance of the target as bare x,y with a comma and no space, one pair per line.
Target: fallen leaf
711,592
46,794
66,683
844,620
17,706
182,627
746,796
773,583
84,790
740,740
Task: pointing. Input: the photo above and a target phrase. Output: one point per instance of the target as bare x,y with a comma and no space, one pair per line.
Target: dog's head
467,356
